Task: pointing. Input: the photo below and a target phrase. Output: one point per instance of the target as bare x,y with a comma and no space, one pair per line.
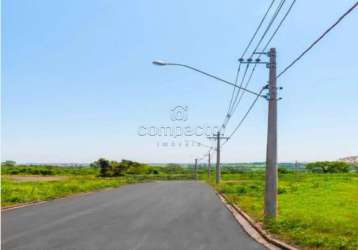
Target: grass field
316,211
30,183
17,189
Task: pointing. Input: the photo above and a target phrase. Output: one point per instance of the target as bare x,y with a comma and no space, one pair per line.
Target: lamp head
159,63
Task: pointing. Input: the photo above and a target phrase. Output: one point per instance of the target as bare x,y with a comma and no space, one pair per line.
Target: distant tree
94,165
134,168
114,168
153,170
119,169
173,168
8,163
328,167
105,167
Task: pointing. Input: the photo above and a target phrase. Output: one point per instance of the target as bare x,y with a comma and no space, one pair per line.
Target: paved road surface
176,215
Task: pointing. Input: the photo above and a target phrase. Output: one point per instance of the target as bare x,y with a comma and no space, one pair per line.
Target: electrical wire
232,95
242,55
258,28
244,117
246,84
264,49
294,61
241,83
237,97
279,25
269,24
318,39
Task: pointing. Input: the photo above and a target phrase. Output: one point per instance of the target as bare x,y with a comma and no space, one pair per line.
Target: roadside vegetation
318,202
318,209
15,191
31,183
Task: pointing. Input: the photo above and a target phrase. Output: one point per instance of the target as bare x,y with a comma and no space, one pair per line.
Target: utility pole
271,152
218,170
217,137
209,166
196,169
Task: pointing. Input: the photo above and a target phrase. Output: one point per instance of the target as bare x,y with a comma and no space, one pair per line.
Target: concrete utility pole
271,153
209,166
217,137
196,169
218,170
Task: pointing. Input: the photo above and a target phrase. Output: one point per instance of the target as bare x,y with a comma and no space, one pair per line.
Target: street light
163,63
159,63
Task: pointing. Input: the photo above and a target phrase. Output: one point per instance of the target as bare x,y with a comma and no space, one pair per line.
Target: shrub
105,167
173,168
8,164
328,167
113,168
283,171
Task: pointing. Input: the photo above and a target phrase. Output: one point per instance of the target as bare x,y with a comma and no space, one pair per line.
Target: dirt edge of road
254,229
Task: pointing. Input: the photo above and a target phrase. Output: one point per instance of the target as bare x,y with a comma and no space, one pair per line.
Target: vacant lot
316,211
23,184
27,178
23,189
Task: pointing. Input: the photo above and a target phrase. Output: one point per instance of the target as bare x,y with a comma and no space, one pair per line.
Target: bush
113,168
283,171
47,170
328,167
173,168
105,167
8,164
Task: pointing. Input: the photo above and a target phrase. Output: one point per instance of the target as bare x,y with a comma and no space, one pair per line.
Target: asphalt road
152,216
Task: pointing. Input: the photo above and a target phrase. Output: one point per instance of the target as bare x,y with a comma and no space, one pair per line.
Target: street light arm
213,76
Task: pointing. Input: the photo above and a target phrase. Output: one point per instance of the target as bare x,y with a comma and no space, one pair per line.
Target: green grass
316,211
48,170
16,192
30,183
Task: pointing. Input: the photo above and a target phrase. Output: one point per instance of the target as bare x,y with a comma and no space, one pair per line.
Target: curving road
152,216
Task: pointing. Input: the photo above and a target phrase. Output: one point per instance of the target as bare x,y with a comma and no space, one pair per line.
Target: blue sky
77,79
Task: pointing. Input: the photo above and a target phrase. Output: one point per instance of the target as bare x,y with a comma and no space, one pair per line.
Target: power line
318,39
237,99
228,114
264,49
258,28
211,149
241,82
269,25
279,25
242,55
202,157
273,18
242,93
244,117
233,91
